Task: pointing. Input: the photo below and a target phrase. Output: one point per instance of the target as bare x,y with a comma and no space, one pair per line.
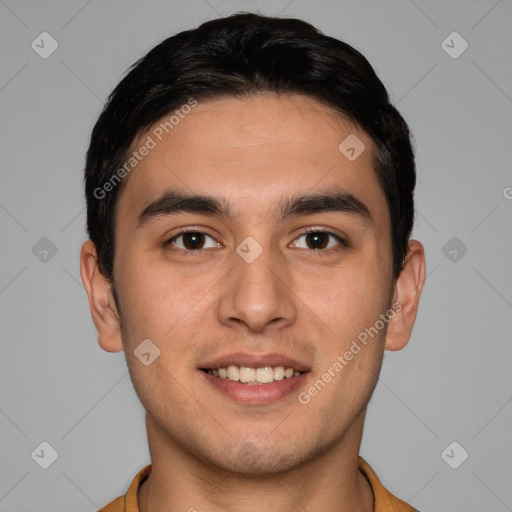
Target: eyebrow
319,202
174,202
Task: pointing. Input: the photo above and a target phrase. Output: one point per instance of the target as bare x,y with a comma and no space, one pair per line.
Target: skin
307,303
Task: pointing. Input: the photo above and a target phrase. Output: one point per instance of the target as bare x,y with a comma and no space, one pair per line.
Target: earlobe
101,301
407,292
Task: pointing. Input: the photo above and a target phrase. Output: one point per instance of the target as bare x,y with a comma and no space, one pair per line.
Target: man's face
305,296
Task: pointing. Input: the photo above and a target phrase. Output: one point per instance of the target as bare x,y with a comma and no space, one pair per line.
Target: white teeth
252,376
279,373
265,374
233,373
247,374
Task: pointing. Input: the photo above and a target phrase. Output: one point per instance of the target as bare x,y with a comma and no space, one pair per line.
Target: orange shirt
384,500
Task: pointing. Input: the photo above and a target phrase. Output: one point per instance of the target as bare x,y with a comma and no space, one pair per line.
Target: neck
180,481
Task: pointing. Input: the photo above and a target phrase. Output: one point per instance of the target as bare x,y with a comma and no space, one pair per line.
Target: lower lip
258,394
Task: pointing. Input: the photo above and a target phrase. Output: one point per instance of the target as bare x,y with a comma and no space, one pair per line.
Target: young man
250,201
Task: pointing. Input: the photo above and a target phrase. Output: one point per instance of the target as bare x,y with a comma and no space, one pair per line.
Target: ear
406,295
101,300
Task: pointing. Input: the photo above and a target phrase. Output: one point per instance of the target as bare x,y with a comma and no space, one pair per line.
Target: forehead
254,150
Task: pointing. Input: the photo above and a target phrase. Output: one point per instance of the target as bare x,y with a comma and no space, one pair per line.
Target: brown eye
191,241
318,240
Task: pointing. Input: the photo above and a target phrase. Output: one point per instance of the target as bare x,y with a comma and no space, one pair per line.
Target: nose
257,294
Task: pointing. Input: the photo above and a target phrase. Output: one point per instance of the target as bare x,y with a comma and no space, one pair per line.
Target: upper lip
254,361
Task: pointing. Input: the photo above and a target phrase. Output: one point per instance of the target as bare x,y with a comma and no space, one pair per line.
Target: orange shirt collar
384,500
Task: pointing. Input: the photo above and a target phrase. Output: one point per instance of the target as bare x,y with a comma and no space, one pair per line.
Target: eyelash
184,232
338,238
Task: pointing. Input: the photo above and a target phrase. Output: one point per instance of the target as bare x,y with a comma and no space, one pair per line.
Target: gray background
453,381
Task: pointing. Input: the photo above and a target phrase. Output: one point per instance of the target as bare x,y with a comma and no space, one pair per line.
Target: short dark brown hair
240,55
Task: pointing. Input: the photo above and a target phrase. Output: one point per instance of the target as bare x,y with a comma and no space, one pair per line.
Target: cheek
156,300
349,298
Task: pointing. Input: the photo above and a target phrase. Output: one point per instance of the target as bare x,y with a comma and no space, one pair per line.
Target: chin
253,460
